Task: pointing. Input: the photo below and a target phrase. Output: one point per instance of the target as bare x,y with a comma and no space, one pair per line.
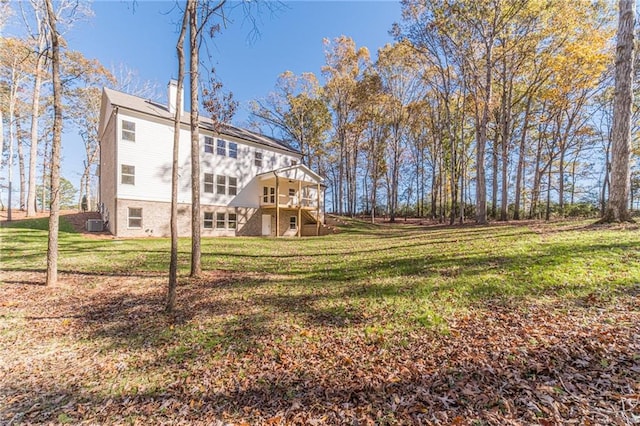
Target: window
233,186
208,183
294,162
292,192
208,144
221,183
268,195
221,147
257,159
223,220
128,175
208,220
220,221
134,217
128,131
293,222
233,150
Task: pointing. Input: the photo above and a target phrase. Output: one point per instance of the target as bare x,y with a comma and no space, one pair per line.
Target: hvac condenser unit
95,225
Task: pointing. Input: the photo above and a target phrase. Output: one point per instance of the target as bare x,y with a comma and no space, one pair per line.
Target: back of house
250,184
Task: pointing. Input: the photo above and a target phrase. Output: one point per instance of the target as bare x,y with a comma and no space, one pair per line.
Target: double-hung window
226,220
221,184
221,147
208,220
268,195
127,174
208,183
233,150
128,131
208,144
257,159
293,222
233,186
220,221
232,220
134,217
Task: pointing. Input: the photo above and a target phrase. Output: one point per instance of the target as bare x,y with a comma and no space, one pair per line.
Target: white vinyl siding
151,156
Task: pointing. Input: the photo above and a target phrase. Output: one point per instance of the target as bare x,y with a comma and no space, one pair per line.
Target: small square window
134,217
208,220
292,192
221,148
220,222
294,162
128,175
233,150
233,186
208,183
293,222
128,131
208,144
257,159
232,222
221,183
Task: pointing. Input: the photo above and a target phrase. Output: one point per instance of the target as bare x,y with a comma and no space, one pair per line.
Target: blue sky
143,38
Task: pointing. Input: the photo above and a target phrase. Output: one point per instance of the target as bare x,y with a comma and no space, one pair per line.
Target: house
250,184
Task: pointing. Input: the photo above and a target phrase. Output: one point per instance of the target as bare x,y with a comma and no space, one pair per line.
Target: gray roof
157,109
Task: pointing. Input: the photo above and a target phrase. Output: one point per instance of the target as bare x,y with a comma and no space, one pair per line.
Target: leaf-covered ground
536,324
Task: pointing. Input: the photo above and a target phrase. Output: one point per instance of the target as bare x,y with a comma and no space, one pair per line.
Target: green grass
416,275
276,324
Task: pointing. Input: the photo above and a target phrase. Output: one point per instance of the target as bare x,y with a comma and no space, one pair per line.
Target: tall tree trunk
506,138
173,261
52,248
482,126
196,262
21,170
537,179
494,177
521,160
561,182
547,215
35,111
618,205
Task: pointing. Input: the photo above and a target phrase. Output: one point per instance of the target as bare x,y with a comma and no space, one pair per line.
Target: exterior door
266,225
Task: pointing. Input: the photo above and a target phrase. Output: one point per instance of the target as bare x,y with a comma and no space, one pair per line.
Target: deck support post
277,205
318,212
299,208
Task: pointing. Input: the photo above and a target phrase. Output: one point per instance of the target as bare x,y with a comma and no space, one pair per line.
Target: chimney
172,89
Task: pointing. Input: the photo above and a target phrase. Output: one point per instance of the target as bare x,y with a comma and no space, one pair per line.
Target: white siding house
242,175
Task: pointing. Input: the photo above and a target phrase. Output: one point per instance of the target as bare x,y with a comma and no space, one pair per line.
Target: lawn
377,324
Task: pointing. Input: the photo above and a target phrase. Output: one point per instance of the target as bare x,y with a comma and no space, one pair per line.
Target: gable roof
294,172
156,109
